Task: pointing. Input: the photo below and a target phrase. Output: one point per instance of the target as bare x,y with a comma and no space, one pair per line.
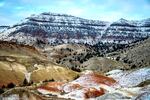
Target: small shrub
133,66
25,82
118,58
51,80
11,85
77,77
3,87
1,91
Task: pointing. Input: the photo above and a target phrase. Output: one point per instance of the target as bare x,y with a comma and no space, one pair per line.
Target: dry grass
100,64
53,72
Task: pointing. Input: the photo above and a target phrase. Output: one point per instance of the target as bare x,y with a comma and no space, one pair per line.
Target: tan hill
136,55
11,73
19,62
52,72
23,54
101,64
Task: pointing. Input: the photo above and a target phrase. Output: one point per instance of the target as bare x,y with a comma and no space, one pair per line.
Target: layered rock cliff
54,28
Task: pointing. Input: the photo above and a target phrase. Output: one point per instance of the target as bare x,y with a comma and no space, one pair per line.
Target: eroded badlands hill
22,62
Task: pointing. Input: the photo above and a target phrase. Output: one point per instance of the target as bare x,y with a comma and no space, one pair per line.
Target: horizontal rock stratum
55,28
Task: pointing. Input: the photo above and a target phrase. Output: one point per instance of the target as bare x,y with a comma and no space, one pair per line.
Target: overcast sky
12,11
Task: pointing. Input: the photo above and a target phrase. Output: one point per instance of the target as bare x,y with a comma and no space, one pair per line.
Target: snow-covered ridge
61,28
3,28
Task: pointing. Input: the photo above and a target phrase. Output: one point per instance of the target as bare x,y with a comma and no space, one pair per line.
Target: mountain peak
122,20
54,14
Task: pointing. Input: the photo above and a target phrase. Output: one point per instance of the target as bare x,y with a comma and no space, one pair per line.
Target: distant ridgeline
51,28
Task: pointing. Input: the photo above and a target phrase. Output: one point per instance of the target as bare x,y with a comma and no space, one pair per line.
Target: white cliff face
130,78
61,28
27,76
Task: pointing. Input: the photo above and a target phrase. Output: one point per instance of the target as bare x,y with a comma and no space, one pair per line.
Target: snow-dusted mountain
61,28
3,28
127,31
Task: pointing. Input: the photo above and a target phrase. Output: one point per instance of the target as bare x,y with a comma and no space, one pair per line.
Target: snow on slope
131,78
61,28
